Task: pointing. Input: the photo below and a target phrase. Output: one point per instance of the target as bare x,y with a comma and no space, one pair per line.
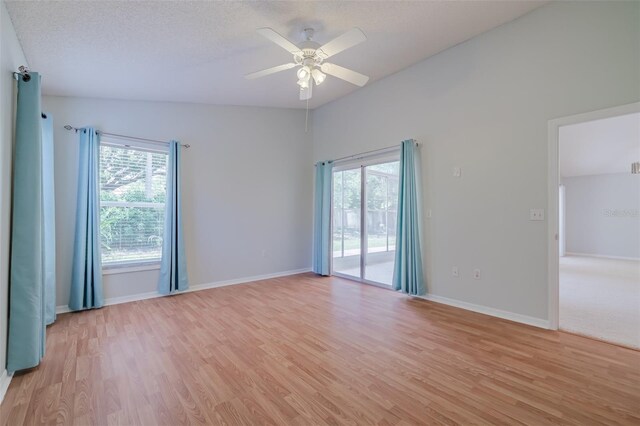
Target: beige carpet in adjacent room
600,298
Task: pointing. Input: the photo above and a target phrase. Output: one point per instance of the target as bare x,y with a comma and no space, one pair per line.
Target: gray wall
602,215
247,182
11,57
484,106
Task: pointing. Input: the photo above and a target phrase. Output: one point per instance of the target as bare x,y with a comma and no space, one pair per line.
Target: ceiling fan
309,57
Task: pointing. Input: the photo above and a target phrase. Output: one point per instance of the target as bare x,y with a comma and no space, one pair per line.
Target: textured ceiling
600,146
200,51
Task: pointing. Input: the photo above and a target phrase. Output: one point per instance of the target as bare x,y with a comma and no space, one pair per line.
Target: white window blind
132,197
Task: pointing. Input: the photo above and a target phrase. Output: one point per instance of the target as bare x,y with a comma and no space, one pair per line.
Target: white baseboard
61,309
5,379
511,316
600,256
524,319
199,287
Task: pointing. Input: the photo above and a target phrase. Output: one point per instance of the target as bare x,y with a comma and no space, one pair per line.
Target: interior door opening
598,223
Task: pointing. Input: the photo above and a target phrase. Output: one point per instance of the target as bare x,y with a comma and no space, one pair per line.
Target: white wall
484,106
247,182
11,57
603,215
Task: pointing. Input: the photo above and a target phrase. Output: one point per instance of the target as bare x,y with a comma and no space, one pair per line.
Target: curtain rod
363,154
115,135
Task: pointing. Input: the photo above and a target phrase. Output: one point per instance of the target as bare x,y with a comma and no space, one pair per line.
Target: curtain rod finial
23,70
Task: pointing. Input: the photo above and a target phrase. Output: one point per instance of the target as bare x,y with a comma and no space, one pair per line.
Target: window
132,197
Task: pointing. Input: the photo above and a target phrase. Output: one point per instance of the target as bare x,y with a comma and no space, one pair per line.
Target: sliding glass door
382,210
347,222
364,244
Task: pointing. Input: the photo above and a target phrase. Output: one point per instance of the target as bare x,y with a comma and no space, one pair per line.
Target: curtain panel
32,262
407,273
49,220
173,267
322,218
86,275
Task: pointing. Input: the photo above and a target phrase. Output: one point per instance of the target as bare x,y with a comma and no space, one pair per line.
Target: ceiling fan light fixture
304,73
318,76
303,83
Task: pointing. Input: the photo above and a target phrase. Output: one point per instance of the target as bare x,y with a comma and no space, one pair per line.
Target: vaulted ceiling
200,51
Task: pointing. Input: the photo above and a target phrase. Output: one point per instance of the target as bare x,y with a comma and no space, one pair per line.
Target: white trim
562,218
601,256
119,268
225,283
511,316
553,180
61,309
5,380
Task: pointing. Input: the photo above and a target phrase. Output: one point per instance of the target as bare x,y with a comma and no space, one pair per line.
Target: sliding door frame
361,163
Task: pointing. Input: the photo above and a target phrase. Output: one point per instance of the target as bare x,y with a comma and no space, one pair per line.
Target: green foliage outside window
131,232
382,205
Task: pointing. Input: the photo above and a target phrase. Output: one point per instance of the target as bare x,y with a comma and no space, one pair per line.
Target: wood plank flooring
308,350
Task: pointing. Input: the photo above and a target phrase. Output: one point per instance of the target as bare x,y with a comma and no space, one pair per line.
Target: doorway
364,243
594,223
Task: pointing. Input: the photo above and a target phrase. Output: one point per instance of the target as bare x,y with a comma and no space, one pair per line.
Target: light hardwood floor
309,350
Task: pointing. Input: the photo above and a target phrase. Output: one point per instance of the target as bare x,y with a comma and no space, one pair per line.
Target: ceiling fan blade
343,42
279,40
345,74
305,93
268,71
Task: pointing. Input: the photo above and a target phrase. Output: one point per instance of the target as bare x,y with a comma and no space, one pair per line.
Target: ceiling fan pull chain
306,118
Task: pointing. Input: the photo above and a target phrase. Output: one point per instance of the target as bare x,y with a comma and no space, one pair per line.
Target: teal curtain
322,218
173,267
86,275
49,220
407,272
30,302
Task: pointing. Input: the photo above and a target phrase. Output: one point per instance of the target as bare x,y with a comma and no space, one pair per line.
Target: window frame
129,265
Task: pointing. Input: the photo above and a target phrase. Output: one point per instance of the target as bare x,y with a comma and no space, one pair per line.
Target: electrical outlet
457,172
454,271
536,214
476,274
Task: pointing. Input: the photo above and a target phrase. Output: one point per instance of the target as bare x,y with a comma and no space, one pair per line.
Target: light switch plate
428,213
536,214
